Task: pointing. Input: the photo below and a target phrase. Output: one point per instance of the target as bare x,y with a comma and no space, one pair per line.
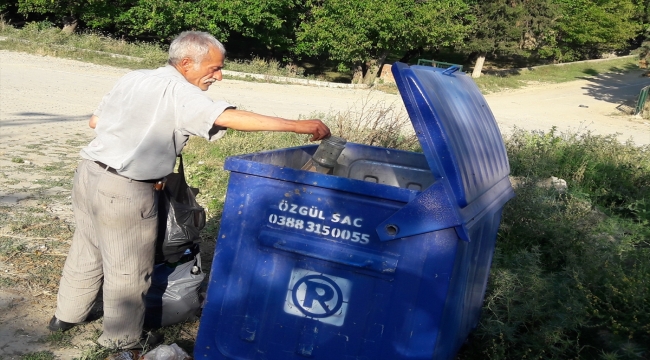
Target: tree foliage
94,13
511,26
588,28
507,27
264,20
360,32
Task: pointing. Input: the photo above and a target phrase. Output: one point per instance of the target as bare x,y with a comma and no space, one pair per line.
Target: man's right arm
249,121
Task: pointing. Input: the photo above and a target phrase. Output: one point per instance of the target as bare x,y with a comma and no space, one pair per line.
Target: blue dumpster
388,258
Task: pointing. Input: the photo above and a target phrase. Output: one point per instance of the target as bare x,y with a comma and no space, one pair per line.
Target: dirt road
60,94
591,104
45,103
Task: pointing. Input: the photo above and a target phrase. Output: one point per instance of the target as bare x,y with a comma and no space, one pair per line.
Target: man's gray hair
194,45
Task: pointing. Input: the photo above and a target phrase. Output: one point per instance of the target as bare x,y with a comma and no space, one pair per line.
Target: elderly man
142,124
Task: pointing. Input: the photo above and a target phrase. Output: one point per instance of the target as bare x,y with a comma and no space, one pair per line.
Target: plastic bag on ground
174,293
167,352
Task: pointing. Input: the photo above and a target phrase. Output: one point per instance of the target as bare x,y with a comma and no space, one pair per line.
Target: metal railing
439,64
640,102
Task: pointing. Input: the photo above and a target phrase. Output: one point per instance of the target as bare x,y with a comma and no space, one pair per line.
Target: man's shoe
56,324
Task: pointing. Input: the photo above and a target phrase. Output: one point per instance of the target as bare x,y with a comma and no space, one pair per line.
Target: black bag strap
181,169
177,186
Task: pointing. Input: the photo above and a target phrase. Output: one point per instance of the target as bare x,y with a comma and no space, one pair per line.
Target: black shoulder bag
180,218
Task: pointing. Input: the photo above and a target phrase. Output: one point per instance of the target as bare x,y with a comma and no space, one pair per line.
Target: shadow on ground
617,88
37,118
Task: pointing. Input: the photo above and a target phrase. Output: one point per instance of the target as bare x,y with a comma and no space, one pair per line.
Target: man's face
207,72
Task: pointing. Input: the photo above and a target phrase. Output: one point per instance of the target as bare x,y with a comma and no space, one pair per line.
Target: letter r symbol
311,293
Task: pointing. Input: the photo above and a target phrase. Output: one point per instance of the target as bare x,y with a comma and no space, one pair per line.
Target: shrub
615,176
571,271
375,123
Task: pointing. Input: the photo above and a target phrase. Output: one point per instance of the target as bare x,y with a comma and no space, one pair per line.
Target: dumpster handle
450,70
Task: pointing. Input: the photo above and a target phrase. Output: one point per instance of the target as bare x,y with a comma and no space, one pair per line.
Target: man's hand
248,121
315,127
93,121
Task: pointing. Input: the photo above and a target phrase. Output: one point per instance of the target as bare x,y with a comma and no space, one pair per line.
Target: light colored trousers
114,244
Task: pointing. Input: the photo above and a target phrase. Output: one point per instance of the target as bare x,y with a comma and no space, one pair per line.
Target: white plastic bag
167,352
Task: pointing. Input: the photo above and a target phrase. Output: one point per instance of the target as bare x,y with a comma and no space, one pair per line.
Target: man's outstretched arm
248,121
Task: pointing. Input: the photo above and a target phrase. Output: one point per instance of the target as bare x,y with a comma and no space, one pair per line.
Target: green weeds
7,282
44,226
553,74
614,176
76,142
95,352
261,66
570,275
58,166
61,339
41,355
44,39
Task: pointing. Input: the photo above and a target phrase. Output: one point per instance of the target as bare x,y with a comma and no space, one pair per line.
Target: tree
506,27
589,28
95,13
269,21
363,33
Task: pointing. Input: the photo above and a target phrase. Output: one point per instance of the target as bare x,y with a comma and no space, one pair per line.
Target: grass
7,282
41,355
570,273
261,66
553,74
42,39
61,339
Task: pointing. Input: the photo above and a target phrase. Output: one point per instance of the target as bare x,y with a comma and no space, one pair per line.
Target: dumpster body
388,258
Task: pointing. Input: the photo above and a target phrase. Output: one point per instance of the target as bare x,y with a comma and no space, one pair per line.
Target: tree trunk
357,76
381,61
371,72
410,54
69,24
479,65
364,69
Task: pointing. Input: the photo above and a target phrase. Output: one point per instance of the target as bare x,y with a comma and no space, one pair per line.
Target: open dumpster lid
458,133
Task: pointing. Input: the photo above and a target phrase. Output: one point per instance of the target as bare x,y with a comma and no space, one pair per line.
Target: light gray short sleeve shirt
147,118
